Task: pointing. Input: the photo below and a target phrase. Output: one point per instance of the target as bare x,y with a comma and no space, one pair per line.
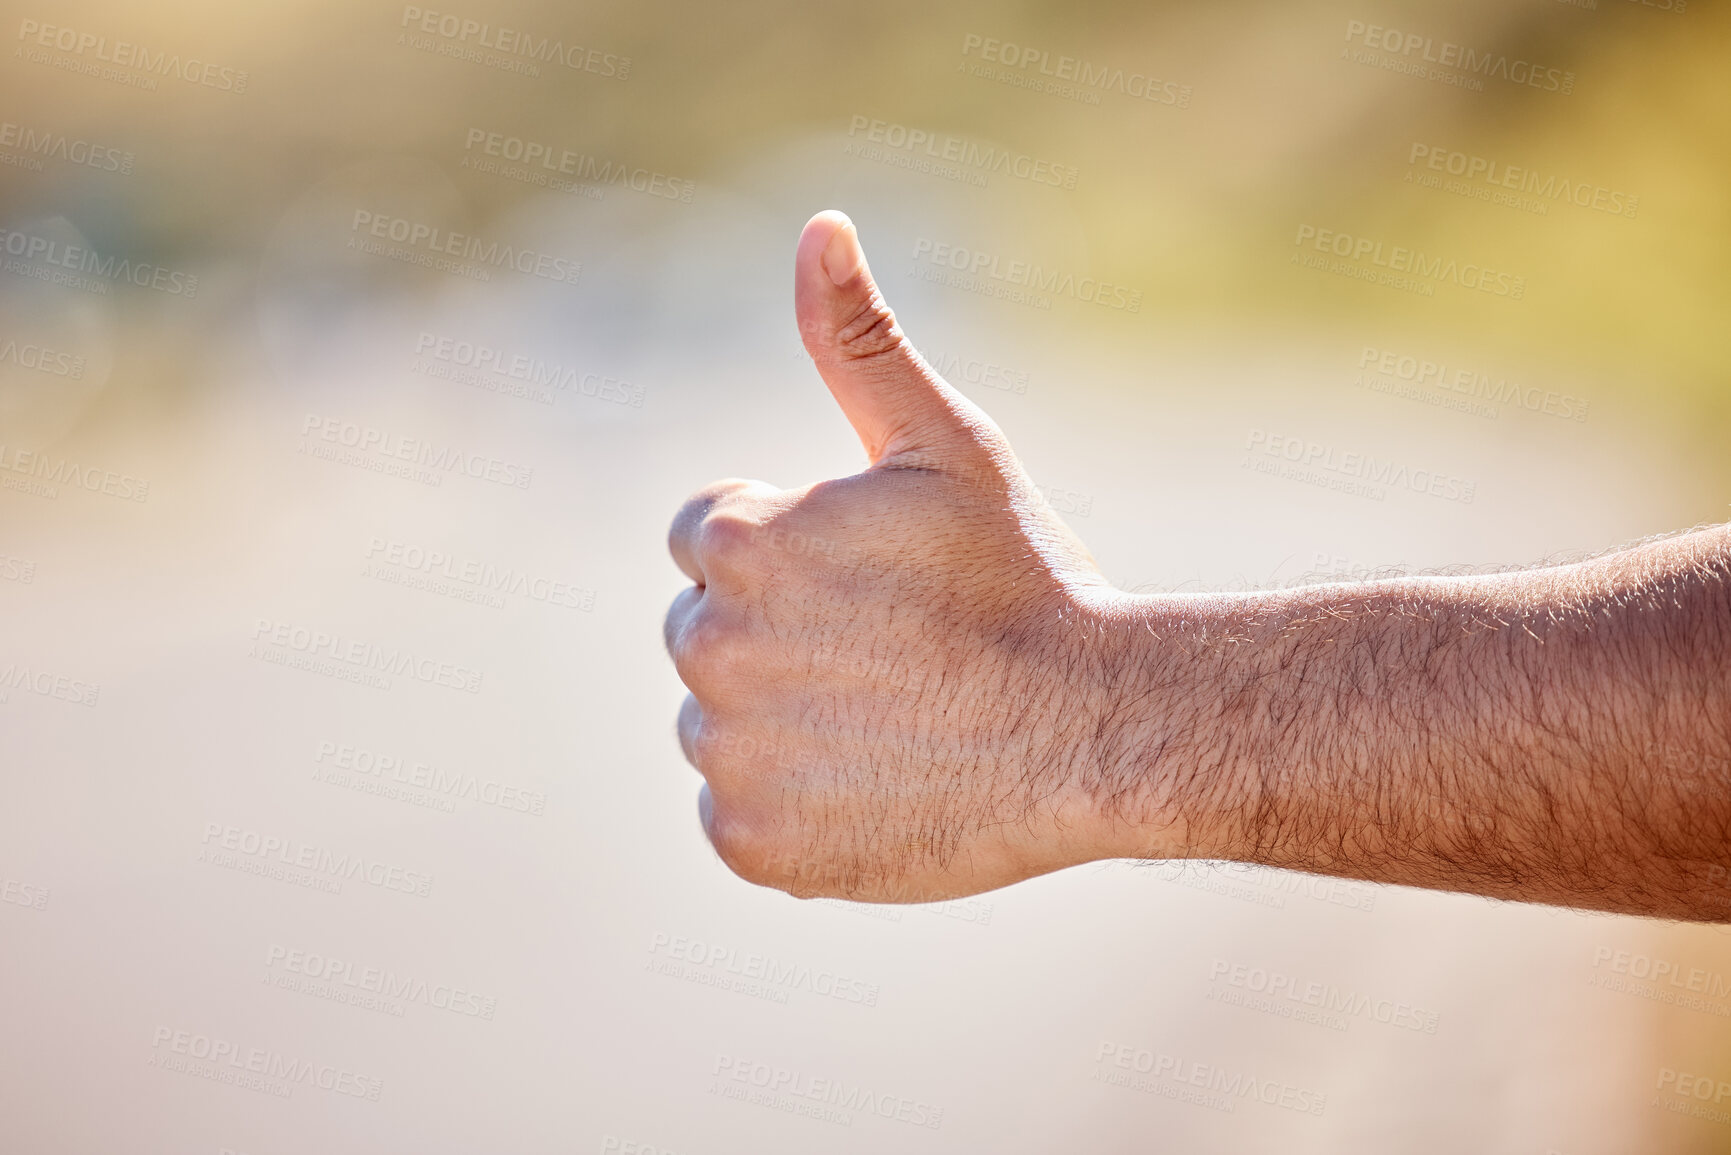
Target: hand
897,678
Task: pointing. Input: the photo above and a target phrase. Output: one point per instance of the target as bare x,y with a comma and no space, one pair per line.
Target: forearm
1560,735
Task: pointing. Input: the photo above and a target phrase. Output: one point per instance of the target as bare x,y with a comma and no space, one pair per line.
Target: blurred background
355,356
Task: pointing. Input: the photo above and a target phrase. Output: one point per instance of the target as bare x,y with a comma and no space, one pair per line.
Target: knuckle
697,509
745,852
746,842
708,651
713,495
679,613
709,748
727,539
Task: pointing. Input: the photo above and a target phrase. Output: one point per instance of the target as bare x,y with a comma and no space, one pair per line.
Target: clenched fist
912,684
896,677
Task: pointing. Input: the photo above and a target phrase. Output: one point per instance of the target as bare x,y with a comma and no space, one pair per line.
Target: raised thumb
893,399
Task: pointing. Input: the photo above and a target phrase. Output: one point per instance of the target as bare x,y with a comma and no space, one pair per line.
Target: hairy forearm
1559,735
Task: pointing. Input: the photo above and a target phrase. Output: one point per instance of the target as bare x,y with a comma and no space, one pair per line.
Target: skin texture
912,684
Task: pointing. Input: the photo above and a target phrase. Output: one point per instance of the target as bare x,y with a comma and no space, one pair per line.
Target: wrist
1168,778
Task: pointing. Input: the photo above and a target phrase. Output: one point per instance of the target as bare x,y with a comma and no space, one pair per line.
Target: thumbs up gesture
900,680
